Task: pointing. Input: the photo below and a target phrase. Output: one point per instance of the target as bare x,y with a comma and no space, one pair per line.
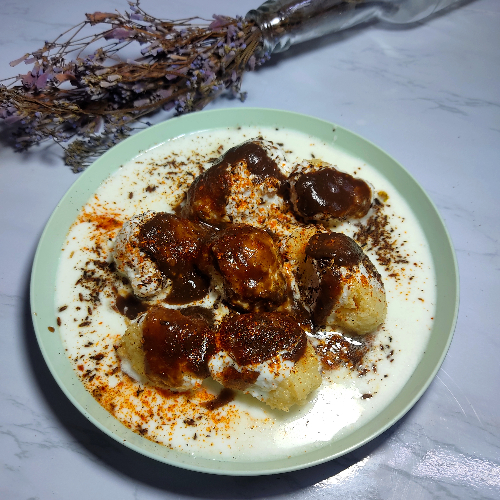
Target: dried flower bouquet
88,99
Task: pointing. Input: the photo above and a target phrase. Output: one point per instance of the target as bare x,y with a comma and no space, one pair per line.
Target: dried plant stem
88,103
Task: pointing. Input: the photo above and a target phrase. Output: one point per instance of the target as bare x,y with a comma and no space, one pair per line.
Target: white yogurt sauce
244,429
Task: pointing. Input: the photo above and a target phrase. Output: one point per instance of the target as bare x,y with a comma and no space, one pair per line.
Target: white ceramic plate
52,240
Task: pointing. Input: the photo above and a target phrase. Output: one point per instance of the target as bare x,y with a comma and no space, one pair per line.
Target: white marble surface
429,95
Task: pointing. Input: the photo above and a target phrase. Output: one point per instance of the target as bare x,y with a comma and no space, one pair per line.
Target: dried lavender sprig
94,99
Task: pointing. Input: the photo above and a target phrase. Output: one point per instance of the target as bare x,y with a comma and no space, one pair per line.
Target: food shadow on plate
97,446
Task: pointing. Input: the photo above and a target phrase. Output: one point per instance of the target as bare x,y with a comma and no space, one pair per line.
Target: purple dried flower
12,119
27,79
218,22
41,81
120,34
251,62
231,32
139,87
141,102
164,93
185,67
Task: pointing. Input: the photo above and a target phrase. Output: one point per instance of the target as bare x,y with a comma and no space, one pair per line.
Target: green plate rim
42,284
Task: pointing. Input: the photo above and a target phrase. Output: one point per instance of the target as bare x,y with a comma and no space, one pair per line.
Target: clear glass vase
286,22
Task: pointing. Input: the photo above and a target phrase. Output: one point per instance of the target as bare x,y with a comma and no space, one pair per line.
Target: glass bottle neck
287,22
